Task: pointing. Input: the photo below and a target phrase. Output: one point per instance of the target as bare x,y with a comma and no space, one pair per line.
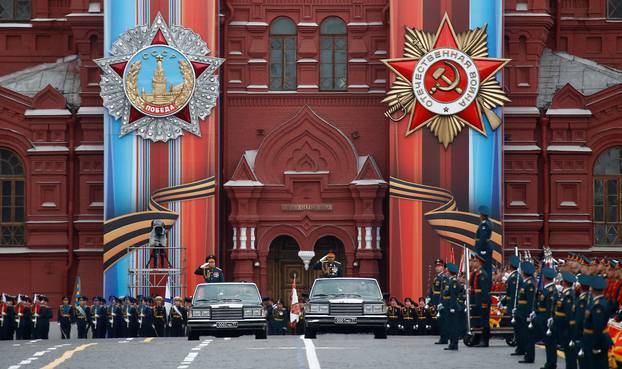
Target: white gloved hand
452,310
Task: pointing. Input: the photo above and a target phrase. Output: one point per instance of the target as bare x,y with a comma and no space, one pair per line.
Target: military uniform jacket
394,313
511,285
83,314
480,289
563,317
482,235
581,307
525,298
595,334
329,270
211,275
436,289
66,314
456,293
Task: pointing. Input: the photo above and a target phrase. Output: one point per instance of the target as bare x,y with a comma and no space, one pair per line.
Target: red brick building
304,146
51,146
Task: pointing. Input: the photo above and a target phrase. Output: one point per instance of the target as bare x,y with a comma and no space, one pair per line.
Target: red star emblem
445,81
159,39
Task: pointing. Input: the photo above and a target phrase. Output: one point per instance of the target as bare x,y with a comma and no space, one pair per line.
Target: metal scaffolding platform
144,278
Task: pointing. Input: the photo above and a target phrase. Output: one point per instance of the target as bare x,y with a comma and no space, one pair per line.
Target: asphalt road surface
328,351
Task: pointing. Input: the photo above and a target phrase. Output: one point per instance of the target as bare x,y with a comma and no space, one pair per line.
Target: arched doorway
283,264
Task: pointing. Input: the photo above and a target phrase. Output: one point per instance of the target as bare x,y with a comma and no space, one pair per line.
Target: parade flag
167,298
78,290
295,307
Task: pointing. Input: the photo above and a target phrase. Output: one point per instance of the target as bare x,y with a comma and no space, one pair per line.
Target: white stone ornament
159,81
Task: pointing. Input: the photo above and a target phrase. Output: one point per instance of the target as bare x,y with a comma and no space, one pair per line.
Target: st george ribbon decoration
133,229
159,81
455,226
445,82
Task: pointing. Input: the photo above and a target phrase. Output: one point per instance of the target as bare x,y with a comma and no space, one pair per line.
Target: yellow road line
67,355
147,340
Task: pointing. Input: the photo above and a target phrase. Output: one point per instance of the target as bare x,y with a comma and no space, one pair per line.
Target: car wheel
193,336
310,333
380,333
261,334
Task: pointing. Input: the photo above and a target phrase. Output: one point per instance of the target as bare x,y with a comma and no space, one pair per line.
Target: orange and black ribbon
455,226
133,229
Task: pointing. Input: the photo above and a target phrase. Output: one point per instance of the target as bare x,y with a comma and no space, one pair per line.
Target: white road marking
39,353
185,363
16,344
227,338
14,367
312,359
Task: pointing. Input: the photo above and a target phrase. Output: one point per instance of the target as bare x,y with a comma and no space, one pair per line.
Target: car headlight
318,308
375,309
253,312
203,313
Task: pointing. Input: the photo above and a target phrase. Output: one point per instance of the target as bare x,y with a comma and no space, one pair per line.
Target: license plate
345,320
226,324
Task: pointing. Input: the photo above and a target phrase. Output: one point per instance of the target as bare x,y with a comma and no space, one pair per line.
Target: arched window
11,199
333,55
282,54
15,10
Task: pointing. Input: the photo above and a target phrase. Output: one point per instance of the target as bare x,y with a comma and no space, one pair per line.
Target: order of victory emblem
445,82
159,81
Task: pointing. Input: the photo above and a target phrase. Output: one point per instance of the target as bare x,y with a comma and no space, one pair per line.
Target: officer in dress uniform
98,318
111,315
83,318
145,318
43,321
583,302
66,316
159,316
480,286
6,320
118,323
329,266
547,300
176,318
280,317
455,307
526,295
133,329
513,284
394,316
409,315
564,320
435,300
596,340
209,271
482,239
35,308
24,319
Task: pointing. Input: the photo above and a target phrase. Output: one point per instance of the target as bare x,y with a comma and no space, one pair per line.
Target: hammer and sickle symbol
439,73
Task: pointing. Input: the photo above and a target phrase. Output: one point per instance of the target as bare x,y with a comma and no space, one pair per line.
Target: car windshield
366,289
227,292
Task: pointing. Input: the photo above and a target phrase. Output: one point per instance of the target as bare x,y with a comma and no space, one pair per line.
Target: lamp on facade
355,263
256,264
306,257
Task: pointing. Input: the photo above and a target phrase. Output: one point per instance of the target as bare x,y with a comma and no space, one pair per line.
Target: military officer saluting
547,300
209,271
596,340
526,295
454,306
329,266
434,298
